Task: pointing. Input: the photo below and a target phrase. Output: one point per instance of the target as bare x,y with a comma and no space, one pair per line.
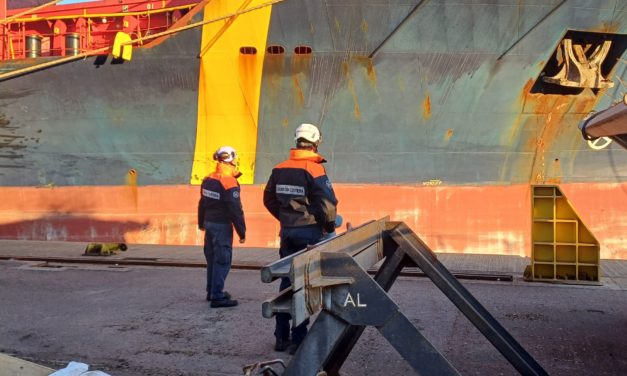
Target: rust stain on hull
351,88
372,74
556,172
426,107
131,182
448,135
548,113
301,69
298,92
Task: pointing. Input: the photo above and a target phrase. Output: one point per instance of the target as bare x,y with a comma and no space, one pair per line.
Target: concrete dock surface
613,272
147,315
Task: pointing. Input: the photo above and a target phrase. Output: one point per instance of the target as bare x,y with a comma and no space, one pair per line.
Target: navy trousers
294,239
218,253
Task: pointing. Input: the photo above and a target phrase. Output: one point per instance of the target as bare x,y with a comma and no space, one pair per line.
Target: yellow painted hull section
229,86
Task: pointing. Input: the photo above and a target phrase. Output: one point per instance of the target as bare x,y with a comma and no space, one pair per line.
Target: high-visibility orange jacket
299,192
220,199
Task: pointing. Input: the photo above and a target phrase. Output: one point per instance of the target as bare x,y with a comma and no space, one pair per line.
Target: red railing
74,28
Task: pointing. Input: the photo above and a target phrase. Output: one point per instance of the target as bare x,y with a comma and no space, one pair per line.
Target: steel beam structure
332,278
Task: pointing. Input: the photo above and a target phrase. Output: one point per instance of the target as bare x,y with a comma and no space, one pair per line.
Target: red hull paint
488,219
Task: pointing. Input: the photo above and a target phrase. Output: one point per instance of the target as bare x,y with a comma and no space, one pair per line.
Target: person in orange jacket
299,194
219,210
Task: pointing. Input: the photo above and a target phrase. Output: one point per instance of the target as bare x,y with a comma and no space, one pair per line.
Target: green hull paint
435,103
479,128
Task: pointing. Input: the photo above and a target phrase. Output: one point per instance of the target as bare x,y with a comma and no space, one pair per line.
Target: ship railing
34,37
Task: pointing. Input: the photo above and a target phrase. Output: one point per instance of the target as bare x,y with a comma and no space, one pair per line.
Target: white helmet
225,154
308,132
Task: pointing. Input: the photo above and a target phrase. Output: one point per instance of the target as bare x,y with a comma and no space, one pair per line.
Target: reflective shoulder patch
290,190
211,194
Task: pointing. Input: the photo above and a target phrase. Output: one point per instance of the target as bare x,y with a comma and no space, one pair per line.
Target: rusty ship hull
435,113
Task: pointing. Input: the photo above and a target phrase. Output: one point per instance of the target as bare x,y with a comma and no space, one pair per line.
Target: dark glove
329,227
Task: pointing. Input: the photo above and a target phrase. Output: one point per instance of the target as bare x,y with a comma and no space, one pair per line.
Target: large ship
440,113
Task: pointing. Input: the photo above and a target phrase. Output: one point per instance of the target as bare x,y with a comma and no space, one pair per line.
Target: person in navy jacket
219,211
299,195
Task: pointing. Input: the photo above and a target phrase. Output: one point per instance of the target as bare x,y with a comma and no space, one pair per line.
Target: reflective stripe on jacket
299,192
220,199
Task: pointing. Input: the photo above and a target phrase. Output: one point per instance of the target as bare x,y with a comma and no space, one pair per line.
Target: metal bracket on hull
579,68
331,278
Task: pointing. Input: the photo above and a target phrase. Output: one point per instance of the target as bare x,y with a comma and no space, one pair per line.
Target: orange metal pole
3,30
3,42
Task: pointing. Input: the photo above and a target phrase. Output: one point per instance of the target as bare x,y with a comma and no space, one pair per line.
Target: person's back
219,210
218,188
299,194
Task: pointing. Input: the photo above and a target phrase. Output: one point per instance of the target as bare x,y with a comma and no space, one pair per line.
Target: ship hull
432,113
92,122
479,220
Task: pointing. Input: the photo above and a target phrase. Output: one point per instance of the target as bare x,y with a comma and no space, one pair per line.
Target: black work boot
281,344
226,295
226,302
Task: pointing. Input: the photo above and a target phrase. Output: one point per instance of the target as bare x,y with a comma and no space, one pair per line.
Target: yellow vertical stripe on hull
229,87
